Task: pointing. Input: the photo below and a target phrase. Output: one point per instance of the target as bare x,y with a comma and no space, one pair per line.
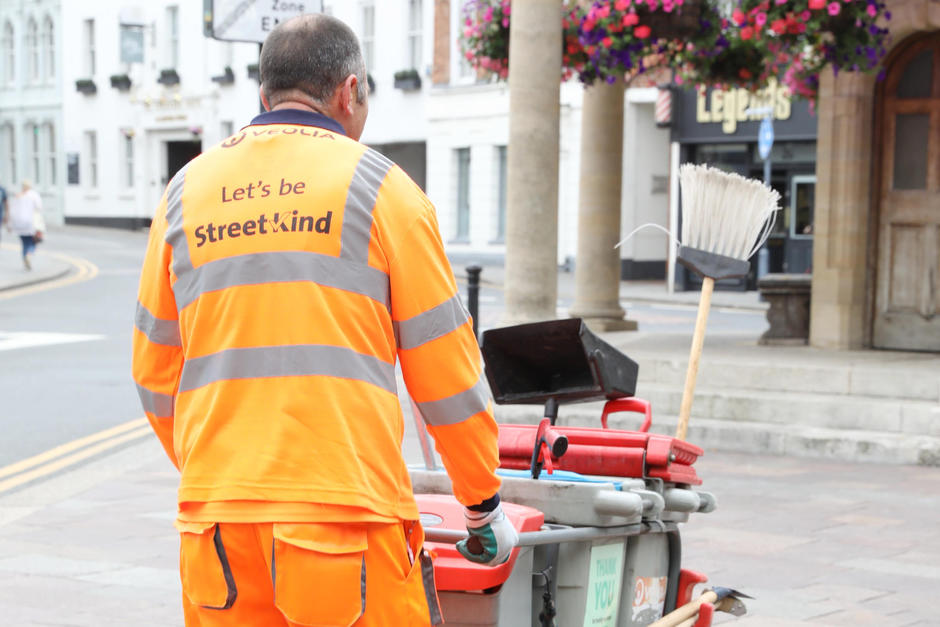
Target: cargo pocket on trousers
319,573
204,568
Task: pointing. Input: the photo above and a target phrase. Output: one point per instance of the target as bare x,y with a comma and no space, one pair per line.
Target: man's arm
441,362
157,352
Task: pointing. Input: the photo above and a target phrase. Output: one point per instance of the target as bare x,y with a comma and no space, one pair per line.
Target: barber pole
664,107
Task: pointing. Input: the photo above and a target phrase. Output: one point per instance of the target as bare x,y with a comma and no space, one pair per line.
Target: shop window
89,30
8,46
368,36
917,79
463,194
415,19
911,133
32,138
50,153
91,150
48,48
32,50
802,206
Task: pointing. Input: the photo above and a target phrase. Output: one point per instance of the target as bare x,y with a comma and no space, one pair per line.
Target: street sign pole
765,142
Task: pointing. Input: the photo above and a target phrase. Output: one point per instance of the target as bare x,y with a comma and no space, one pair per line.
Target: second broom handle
698,342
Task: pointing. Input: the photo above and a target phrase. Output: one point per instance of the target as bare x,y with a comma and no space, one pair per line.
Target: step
830,411
854,445
914,380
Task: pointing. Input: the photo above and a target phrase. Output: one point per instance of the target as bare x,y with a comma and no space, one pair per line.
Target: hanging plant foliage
706,42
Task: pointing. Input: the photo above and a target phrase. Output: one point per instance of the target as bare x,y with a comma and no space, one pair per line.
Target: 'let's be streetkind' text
283,221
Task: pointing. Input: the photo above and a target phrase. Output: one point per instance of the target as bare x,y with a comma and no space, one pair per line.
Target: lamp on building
195,130
128,132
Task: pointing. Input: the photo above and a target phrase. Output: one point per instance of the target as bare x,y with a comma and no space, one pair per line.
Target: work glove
492,537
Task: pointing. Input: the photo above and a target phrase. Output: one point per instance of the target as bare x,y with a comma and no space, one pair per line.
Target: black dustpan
558,359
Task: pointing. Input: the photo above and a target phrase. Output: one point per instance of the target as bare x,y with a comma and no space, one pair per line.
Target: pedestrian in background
26,220
287,269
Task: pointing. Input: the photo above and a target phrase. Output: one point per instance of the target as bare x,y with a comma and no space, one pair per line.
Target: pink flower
467,32
588,25
630,19
834,8
738,16
805,15
622,5
469,55
668,6
872,11
505,22
607,41
604,11
760,19
641,32
488,14
816,5
780,2
747,33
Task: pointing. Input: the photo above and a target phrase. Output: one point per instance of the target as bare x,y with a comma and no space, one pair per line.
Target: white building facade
144,91
31,120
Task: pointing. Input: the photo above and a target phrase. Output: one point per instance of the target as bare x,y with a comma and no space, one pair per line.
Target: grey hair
312,54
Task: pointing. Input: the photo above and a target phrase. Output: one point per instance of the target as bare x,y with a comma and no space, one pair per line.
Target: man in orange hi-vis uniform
287,269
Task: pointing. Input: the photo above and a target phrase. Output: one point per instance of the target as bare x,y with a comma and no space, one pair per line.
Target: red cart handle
629,404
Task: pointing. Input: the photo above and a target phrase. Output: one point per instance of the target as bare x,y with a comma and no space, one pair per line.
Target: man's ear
350,94
264,99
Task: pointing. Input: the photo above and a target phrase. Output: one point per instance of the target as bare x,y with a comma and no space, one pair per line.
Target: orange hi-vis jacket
286,270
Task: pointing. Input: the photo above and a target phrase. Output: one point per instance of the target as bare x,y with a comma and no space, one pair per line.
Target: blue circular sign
765,138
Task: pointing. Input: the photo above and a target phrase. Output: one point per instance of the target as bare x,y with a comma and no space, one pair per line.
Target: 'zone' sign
251,20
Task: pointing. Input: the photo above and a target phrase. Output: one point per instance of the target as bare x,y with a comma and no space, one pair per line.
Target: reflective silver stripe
157,330
432,324
278,267
360,201
430,588
175,235
457,408
362,588
160,405
297,360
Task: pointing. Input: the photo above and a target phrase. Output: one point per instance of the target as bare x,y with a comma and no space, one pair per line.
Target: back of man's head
311,54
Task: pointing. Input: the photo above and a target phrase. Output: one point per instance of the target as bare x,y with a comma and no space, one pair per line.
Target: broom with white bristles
726,218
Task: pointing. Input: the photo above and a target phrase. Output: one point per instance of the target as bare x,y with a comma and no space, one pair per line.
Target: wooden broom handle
698,342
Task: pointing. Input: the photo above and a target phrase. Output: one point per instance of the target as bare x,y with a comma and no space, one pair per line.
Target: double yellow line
71,453
85,270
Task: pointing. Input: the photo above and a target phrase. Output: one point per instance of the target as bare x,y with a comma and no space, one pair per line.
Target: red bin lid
452,571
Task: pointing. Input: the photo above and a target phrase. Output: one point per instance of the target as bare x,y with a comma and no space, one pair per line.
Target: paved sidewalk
652,291
45,266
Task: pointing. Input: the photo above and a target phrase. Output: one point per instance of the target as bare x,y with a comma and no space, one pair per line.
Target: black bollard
473,295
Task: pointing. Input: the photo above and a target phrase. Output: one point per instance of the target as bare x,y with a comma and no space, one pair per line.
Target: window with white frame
368,35
91,153
48,48
9,53
49,141
8,143
501,193
172,37
415,21
32,156
463,194
32,50
127,156
89,35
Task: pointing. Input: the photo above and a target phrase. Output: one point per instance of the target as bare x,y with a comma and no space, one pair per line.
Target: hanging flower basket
741,43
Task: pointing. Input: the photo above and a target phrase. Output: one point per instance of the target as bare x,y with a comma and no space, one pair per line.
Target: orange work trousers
323,574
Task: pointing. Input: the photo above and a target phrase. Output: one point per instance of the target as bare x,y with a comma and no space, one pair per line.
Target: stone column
839,317
597,266
531,281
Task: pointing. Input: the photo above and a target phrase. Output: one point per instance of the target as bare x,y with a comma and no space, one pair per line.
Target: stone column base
610,324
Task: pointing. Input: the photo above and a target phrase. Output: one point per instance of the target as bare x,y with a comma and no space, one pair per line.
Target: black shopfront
720,128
